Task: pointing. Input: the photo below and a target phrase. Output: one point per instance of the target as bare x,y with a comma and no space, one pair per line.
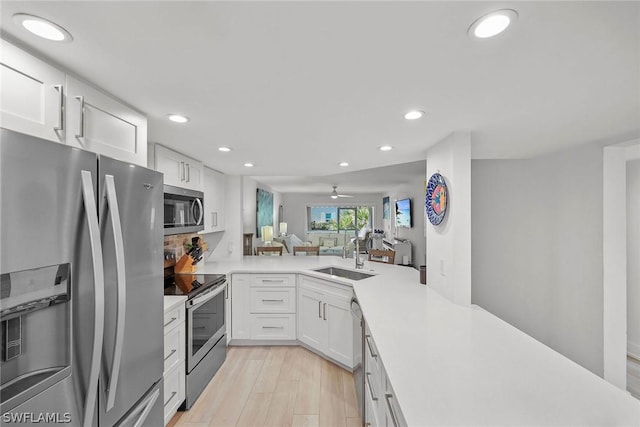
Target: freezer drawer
147,411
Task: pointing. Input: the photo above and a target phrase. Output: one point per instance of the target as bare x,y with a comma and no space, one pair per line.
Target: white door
340,330
171,164
240,306
312,329
31,95
99,123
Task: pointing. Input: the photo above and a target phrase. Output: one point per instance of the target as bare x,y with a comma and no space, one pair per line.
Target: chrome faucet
359,262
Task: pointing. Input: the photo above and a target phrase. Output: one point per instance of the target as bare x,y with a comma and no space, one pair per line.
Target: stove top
193,284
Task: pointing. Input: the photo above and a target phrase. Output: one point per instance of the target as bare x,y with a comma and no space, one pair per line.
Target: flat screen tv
403,213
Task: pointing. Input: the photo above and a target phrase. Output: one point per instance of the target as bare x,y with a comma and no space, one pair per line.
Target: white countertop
170,301
454,365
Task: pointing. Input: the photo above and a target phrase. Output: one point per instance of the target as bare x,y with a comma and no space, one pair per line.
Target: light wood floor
275,386
633,376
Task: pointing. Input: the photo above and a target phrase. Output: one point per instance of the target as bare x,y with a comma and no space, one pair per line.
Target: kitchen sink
341,272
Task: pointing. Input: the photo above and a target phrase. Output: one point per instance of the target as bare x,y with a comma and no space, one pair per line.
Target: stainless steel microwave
183,210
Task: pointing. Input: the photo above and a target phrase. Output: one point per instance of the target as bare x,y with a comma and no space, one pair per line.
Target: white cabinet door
312,328
194,174
340,330
99,123
214,200
178,169
171,164
32,95
240,306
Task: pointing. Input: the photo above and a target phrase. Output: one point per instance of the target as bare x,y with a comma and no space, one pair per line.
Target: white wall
228,243
416,235
249,188
449,244
537,248
633,257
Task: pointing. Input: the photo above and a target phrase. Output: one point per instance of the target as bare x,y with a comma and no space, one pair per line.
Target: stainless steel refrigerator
81,299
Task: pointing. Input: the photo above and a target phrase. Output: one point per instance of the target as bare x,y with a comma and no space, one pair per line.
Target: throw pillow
328,242
295,241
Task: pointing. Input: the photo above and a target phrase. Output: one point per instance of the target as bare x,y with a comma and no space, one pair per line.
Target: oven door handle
206,297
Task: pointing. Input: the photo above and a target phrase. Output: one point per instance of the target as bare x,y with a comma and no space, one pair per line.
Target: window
339,218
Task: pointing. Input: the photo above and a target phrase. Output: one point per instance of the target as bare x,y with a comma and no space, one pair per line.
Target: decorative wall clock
436,200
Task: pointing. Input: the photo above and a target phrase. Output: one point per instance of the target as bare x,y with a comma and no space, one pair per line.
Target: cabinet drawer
273,280
174,347
174,393
373,366
174,317
273,300
273,327
341,292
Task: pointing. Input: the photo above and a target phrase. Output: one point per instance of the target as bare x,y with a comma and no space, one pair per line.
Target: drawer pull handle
272,300
273,327
171,398
320,309
272,281
199,327
391,411
373,395
373,354
170,354
173,319
324,311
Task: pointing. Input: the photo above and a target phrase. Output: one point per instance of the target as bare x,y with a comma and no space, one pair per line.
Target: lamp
267,234
283,228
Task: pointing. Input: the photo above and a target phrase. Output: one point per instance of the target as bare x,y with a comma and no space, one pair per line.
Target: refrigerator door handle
112,204
98,280
148,405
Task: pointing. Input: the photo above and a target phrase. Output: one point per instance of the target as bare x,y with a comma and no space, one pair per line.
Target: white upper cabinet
214,197
99,123
32,95
178,169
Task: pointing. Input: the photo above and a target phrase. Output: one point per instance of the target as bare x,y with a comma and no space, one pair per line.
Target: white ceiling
296,87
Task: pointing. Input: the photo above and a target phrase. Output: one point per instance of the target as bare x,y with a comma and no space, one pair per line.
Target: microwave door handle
110,200
206,297
98,280
201,210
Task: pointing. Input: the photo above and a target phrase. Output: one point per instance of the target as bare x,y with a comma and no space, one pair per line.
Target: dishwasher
358,352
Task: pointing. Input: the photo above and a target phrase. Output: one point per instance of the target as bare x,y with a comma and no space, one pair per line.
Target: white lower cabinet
381,407
263,307
174,355
324,318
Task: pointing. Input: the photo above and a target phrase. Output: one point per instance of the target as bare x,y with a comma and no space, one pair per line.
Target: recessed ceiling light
344,164
414,114
492,23
42,27
248,165
385,148
178,118
224,149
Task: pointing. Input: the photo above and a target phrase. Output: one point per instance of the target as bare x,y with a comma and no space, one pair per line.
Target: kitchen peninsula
455,365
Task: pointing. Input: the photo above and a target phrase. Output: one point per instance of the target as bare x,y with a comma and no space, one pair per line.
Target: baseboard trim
633,350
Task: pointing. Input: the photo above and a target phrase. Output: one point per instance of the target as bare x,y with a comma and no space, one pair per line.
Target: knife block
184,265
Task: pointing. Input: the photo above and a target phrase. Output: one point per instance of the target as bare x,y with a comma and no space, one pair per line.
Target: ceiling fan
335,195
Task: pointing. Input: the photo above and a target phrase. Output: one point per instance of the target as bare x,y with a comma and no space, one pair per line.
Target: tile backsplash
178,242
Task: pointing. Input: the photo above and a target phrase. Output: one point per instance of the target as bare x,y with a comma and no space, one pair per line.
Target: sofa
331,243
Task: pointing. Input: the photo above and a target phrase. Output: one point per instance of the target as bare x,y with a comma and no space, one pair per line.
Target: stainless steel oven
183,210
206,339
